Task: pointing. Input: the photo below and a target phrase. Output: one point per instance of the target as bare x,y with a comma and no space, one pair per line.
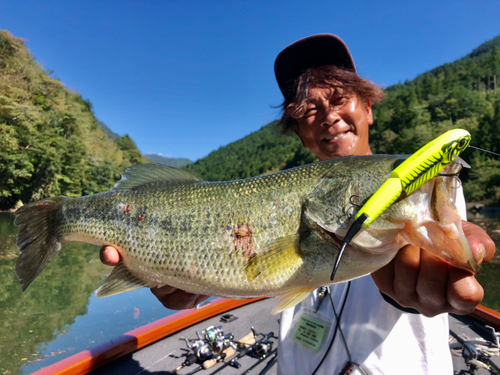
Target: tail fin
36,240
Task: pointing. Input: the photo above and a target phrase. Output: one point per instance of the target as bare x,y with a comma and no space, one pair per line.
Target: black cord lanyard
350,365
337,326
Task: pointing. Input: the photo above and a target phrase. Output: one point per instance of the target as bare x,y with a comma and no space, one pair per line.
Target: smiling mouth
335,137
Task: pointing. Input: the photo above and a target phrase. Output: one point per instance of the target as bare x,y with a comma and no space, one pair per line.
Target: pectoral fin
290,299
120,280
279,257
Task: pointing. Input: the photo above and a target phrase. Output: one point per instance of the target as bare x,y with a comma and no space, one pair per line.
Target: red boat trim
487,315
89,360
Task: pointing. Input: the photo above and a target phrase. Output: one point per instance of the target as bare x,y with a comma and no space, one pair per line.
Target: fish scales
274,235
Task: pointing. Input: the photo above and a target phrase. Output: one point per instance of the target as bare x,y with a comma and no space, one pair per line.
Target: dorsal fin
141,174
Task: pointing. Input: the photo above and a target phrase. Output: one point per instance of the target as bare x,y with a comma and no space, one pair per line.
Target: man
329,107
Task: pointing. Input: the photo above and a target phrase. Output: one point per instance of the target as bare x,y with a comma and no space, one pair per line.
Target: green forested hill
261,152
50,141
165,160
463,94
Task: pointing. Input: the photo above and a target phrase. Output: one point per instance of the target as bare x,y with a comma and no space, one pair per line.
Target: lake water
59,315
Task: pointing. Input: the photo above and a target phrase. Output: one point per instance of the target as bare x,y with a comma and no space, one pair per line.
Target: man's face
335,125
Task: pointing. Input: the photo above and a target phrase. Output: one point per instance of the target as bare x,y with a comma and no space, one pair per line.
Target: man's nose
331,116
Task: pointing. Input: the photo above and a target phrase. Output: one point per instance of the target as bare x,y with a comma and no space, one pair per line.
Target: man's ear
368,110
296,130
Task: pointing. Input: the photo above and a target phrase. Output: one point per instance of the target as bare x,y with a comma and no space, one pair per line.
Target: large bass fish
275,235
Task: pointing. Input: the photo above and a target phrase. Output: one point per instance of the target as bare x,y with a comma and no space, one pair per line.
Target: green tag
310,332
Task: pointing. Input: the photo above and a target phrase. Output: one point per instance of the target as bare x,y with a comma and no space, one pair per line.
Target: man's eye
310,111
339,101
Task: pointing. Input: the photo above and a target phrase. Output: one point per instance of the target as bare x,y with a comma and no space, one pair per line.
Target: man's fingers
482,246
176,299
464,292
109,256
406,266
432,284
172,298
384,278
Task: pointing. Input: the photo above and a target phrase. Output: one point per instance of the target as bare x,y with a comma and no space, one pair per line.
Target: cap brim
311,52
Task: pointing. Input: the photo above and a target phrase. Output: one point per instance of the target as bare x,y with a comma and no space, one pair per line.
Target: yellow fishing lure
415,171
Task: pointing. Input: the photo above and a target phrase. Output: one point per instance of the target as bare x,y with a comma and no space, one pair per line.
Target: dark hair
327,76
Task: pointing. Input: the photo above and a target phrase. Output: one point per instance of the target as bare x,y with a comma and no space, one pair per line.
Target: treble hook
455,176
355,204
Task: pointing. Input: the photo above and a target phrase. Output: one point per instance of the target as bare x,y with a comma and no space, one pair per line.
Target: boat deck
164,356
481,337
159,347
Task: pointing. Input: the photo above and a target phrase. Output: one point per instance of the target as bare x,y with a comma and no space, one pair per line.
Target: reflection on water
104,319
59,314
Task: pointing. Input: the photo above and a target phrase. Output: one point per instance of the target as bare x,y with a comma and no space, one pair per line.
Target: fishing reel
212,333
262,348
211,341
218,342
223,342
200,348
476,358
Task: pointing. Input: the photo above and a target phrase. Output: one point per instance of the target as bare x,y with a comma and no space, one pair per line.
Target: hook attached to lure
415,171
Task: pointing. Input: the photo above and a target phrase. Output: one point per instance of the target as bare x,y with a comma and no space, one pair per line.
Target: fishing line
482,149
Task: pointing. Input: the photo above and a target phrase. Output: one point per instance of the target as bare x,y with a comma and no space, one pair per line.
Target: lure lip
353,230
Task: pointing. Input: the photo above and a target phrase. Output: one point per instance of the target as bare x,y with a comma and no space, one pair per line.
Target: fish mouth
435,224
443,234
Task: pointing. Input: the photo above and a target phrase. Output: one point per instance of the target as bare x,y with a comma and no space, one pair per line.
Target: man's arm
418,279
172,298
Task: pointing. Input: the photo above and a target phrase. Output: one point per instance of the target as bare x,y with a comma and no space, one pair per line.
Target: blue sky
183,78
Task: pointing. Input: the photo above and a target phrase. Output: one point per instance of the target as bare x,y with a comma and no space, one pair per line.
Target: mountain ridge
168,160
464,93
51,142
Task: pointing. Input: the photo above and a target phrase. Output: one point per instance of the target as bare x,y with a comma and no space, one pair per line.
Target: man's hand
417,278
172,298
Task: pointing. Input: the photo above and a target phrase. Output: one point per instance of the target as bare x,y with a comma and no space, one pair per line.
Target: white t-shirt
380,337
